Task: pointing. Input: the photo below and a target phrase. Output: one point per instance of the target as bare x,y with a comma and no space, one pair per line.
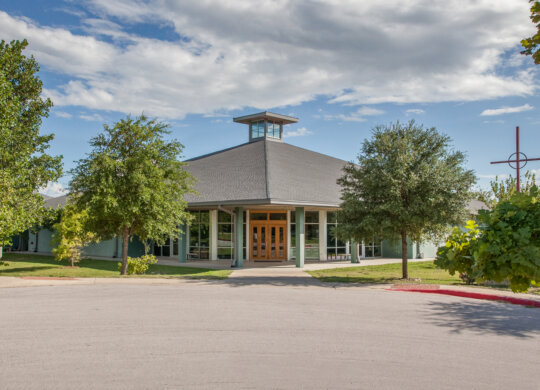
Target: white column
322,235
363,250
213,234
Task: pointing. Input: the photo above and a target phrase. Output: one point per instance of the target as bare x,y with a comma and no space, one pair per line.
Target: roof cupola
265,125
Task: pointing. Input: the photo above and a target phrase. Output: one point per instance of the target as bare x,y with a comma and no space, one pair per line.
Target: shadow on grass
485,317
8,271
156,270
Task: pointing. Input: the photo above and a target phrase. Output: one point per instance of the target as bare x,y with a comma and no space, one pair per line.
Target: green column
182,245
354,252
300,237
239,236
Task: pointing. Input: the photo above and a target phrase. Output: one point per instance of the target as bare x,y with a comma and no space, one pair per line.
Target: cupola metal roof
265,115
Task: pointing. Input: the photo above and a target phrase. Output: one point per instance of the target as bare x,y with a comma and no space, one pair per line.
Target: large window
199,235
257,129
336,248
225,238
373,249
311,230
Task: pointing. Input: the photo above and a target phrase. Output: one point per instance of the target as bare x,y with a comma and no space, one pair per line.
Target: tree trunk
1,252
72,261
404,254
125,243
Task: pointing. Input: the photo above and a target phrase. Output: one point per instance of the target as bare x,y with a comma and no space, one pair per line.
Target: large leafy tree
408,182
531,44
133,183
25,167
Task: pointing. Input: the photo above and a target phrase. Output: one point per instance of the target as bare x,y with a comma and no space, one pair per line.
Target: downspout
225,210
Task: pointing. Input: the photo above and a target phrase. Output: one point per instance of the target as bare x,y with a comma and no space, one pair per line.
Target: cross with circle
517,160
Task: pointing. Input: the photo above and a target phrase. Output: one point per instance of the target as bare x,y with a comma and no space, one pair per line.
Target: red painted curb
490,297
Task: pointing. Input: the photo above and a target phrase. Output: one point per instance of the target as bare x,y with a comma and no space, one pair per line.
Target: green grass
387,273
17,264
391,273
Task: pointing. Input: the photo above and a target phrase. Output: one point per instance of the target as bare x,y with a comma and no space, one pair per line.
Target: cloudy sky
341,66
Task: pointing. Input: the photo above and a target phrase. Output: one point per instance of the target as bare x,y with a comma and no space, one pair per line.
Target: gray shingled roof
266,172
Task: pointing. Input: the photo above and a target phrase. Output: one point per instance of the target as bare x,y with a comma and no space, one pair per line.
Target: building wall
98,249
424,250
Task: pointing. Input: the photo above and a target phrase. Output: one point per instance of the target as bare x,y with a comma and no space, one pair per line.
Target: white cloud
63,114
416,111
355,116
506,110
234,55
53,189
91,118
302,131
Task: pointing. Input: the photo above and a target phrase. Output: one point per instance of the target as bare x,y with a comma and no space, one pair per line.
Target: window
274,130
225,238
199,235
336,249
257,129
311,230
312,234
373,249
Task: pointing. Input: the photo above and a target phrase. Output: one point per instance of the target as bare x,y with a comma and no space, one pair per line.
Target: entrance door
268,240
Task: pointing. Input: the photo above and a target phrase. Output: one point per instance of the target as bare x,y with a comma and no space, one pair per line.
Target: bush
458,253
509,247
138,265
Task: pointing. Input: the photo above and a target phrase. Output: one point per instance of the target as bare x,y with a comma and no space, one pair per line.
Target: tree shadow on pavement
486,318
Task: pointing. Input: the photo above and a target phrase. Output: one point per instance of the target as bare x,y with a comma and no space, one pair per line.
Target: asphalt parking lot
243,334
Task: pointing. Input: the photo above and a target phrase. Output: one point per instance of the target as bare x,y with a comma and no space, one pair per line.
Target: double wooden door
268,240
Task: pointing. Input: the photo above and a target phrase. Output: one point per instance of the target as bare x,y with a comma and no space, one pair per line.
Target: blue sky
340,67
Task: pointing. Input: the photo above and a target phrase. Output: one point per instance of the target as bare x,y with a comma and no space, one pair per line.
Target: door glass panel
278,216
273,242
263,242
255,241
258,216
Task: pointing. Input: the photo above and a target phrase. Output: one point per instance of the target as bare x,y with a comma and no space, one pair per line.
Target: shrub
138,265
509,247
458,253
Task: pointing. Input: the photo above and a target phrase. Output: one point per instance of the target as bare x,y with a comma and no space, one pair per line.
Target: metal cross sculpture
518,158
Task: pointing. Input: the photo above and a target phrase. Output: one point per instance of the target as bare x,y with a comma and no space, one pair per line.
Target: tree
70,234
509,245
504,246
504,189
407,183
25,167
132,183
531,44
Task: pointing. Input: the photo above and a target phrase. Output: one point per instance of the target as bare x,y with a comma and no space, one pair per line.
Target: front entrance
268,236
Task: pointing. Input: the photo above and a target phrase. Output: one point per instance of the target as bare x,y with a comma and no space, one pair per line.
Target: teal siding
392,249
98,249
101,249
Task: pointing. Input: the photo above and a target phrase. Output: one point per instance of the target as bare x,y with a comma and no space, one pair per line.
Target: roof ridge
266,178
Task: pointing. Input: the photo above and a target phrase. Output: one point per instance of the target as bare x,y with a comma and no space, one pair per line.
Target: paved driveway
239,334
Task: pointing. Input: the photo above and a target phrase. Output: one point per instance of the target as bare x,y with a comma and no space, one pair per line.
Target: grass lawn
391,273
18,264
